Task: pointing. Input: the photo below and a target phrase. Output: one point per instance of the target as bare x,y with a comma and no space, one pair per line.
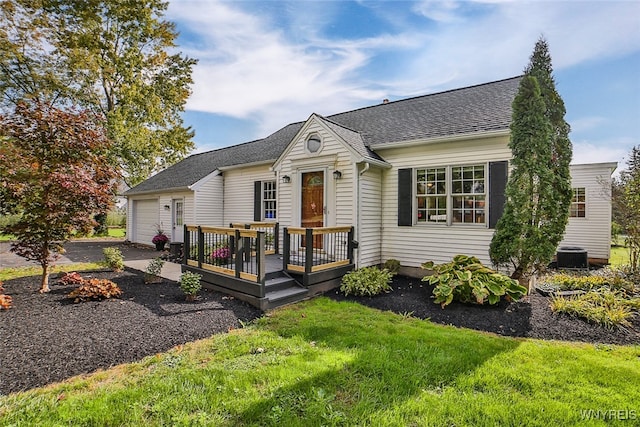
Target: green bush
466,280
366,281
113,259
393,265
605,307
612,279
155,266
190,283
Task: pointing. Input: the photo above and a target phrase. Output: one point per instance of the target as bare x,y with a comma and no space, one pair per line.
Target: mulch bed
47,338
529,317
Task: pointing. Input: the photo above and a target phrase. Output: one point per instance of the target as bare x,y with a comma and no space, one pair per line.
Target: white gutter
441,139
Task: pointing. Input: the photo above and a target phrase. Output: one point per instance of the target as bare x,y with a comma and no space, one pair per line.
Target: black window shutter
257,201
405,197
498,172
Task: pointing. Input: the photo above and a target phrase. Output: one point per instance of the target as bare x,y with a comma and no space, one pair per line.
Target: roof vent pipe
385,101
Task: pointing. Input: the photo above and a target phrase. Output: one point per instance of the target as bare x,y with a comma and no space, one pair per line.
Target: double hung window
578,207
451,194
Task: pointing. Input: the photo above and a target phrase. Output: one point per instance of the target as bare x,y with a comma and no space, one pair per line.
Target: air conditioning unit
572,257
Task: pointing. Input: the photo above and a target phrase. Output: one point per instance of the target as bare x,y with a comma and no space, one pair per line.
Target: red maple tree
55,170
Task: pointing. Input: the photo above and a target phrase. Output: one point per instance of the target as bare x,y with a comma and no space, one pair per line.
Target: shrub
73,278
95,289
606,277
466,280
155,266
605,307
190,284
5,300
366,281
393,265
113,259
152,272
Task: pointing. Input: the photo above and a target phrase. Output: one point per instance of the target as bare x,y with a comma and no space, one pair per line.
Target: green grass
117,232
17,272
112,232
327,363
619,256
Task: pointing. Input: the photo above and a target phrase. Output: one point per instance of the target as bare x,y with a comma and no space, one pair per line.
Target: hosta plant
190,284
366,281
466,280
605,307
95,289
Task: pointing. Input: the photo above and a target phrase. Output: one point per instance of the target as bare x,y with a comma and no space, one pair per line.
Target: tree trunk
44,284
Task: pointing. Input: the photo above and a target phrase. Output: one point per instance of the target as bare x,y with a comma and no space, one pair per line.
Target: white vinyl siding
370,224
165,215
209,203
593,232
339,193
412,246
239,192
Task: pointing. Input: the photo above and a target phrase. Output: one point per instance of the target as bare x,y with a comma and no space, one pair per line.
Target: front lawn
324,362
619,256
16,272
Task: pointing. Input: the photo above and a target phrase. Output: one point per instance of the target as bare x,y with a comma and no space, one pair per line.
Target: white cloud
585,124
251,67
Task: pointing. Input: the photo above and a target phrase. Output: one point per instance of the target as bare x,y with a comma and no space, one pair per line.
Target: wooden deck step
286,296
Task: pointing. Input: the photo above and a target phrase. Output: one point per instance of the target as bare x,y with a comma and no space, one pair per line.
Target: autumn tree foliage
53,166
539,188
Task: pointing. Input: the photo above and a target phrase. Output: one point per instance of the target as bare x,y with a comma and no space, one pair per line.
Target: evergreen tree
627,204
539,188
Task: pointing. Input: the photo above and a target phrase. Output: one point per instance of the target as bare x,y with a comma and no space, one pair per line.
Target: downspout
358,203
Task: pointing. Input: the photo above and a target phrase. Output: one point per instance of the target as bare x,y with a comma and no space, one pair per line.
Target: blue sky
265,64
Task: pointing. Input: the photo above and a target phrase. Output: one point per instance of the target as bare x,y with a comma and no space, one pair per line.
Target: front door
178,221
312,211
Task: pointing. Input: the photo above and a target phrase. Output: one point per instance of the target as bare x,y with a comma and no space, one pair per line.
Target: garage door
145,218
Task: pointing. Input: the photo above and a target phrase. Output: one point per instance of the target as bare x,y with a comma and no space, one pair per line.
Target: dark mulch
47,338
530,317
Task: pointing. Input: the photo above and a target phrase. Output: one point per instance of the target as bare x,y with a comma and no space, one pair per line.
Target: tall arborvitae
539,188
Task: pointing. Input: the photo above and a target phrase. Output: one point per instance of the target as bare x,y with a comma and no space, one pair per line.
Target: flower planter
160,246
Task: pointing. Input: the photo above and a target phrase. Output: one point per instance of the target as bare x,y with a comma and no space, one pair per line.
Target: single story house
417,179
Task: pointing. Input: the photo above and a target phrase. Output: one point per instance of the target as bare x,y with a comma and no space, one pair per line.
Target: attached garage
145,215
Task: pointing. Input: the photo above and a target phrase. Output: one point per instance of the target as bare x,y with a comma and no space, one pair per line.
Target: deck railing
310,250
235,252
271,233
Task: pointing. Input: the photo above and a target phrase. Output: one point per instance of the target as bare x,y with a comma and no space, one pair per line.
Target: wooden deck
240,261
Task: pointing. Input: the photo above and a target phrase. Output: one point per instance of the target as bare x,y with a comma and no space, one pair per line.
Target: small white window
269,199
578,203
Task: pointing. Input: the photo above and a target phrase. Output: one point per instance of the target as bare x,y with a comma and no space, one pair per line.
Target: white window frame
573,208
269,204
476,197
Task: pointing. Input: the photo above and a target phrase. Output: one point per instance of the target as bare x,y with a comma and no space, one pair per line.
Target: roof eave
246,165
148,192
441,139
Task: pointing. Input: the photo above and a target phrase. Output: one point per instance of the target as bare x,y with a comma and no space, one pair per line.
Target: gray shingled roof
195,167
481,108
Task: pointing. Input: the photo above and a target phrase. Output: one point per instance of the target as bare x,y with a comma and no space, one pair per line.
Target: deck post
260,261
200,247
308,250
286,253
276,238
187,245
350,245
247,245
239,253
